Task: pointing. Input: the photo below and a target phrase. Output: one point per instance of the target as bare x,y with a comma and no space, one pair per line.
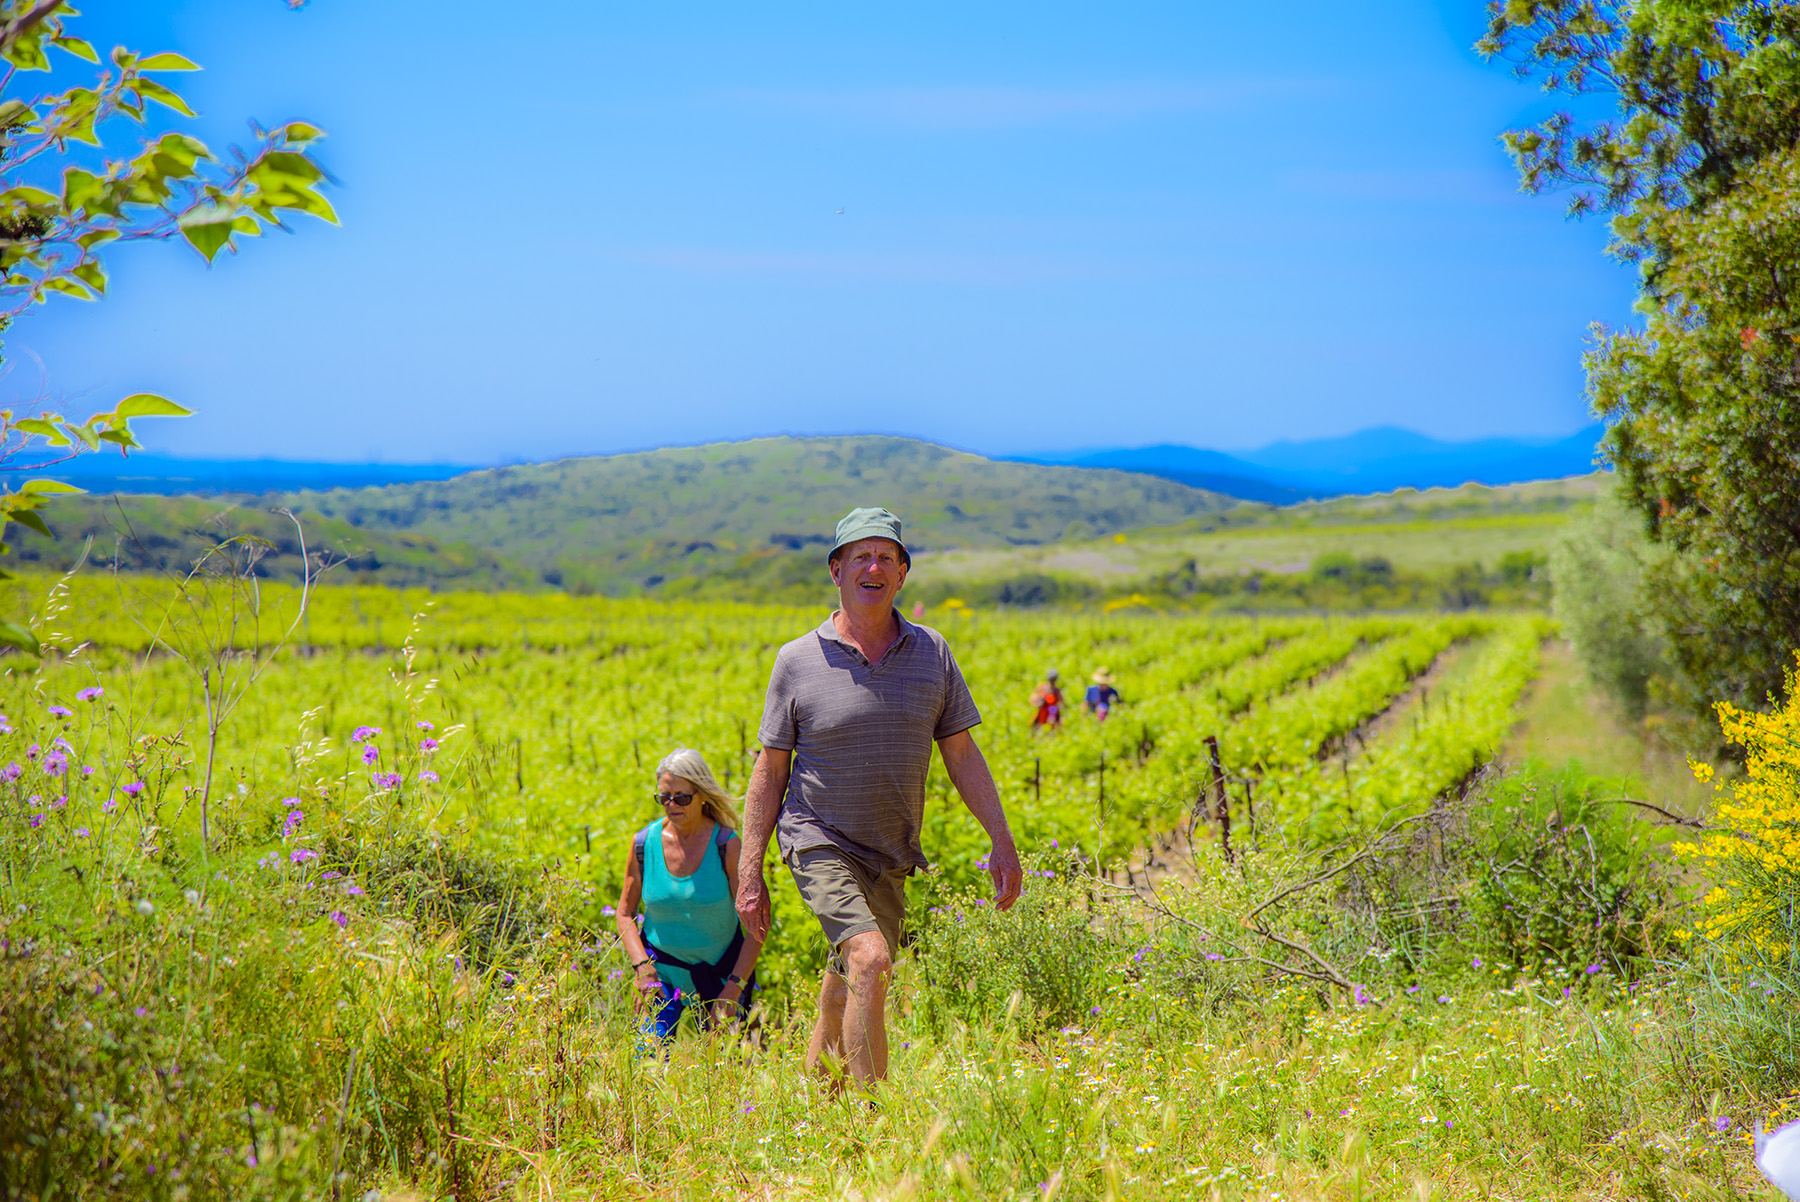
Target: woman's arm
752,948
642,966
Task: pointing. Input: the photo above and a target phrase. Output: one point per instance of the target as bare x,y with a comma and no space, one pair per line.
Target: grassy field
1412,978
1423,532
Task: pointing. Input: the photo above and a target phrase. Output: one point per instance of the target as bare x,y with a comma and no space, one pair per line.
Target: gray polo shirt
861,735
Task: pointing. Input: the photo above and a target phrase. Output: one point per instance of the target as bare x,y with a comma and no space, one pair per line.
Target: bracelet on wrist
641,963
733,979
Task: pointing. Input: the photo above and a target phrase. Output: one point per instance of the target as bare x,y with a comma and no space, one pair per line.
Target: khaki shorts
849,898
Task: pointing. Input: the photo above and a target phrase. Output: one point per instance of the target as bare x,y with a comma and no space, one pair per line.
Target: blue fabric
693,917
658,1031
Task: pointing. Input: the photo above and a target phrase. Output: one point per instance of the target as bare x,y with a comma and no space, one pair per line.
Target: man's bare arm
762,804
969,773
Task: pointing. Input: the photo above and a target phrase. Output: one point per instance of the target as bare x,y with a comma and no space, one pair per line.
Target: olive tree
1698,168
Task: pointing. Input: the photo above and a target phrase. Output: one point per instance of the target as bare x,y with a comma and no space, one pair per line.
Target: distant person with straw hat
1101,696
852,711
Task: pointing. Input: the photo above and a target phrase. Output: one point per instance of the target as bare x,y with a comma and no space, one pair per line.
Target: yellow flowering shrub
1752,852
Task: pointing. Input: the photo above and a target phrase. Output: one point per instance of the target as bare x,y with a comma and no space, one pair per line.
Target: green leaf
289,164
68,287
76,46
26,194
300,131
148,404
167,61
29,519
121,435
15,112
48,486
86,433
91,275
49,431
14,635
80,187
209,230
93,238
151,90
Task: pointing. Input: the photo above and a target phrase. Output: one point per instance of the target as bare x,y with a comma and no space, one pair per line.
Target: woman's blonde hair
715,802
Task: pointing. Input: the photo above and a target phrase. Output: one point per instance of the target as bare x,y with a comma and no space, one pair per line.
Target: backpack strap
637,844
722,835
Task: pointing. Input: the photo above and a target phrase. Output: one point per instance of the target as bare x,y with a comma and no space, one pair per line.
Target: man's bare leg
865,1017
828,1031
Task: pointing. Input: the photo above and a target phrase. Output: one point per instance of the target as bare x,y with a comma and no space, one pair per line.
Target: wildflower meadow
310,901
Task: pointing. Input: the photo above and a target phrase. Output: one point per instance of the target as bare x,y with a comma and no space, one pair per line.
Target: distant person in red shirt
1101,696
1048,699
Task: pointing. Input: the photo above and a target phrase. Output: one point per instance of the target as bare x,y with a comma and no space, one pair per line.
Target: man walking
851,713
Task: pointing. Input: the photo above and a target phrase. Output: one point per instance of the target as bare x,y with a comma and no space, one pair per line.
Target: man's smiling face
868,575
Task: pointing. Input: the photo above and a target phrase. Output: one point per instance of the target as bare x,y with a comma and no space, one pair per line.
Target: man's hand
753,903
1009,877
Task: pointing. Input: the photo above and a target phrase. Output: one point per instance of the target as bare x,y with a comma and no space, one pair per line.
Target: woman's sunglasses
675,799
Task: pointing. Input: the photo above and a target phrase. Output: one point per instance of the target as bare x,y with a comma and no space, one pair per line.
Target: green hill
748,515
759,512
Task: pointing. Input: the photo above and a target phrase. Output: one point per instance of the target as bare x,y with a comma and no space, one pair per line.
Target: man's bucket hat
1102,677
859,524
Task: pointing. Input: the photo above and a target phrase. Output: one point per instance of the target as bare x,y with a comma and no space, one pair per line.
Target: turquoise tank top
691,917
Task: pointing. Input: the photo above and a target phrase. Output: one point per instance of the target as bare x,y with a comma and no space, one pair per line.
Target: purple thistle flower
364,732
426,726
428,745
87,770
141,1012
109,805
60,802
387,780
36,820
428,776
134,788
341,918
1721,1124
301,855
1412,989
1444,999
294,819
56,764
1476,963
1362,999
371,753
61,711
81,832
1592,969
12,771
353,890
31,752
89,693
330,876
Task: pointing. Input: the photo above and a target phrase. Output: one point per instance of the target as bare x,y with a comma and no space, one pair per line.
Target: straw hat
1102,676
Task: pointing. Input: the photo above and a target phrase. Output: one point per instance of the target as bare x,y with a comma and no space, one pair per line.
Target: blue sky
579,227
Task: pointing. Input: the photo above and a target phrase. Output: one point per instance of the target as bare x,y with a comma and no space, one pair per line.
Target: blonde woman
683,874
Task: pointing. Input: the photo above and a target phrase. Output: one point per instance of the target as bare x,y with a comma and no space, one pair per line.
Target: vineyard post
1103,776
1037,778
1223,808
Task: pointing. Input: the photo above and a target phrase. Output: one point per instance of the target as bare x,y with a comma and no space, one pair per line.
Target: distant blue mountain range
1377,460
169,476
